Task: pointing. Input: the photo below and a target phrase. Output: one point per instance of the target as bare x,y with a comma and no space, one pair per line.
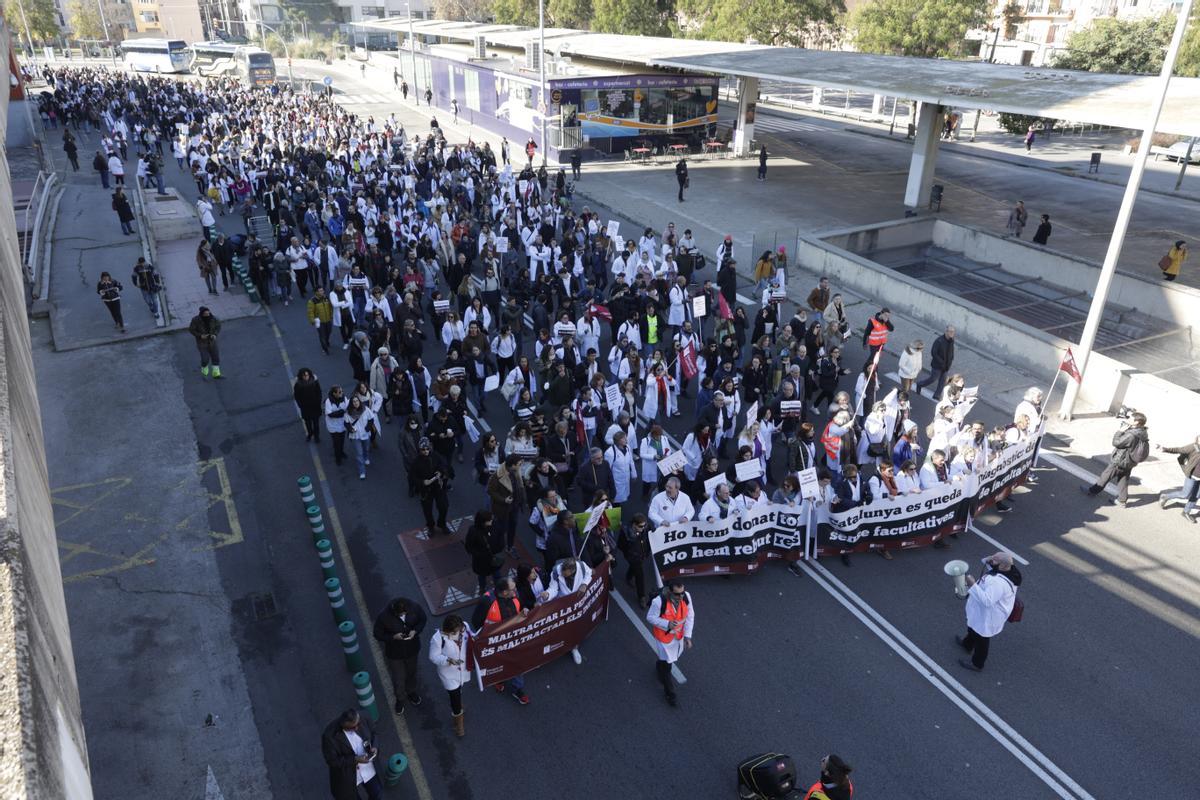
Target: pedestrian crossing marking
363,99
784,125
455,597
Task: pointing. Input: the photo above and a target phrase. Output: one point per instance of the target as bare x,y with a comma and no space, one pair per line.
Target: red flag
1069,366
601,312
723,307
687,361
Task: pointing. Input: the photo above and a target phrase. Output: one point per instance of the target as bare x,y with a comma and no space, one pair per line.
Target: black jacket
1124,441
1188,458
309,399
343,765
941,355
482,544
595,476
388,624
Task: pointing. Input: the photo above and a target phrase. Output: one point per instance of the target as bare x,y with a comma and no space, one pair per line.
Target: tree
1019,123
467,10
1116,45
515,12
791,23
635,17
85,20
917,27
569,13
1188,61
39,14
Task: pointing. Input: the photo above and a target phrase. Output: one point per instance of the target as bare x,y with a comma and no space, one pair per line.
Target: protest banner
520,644
1006,472
738,545
910,520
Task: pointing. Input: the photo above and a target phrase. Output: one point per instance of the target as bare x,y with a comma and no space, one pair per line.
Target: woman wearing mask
307,394
448,652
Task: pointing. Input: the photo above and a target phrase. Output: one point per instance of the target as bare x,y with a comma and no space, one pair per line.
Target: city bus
155,55
253,65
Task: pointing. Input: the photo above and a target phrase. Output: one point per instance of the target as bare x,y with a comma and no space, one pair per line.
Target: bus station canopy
1083,97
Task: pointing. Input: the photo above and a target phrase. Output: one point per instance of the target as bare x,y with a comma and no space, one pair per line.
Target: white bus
253,65
156,55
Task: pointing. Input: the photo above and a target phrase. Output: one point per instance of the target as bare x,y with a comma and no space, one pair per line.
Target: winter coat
308,397
1123,443
1189,459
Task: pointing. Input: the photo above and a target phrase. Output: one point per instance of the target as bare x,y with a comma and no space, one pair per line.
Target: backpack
1140,450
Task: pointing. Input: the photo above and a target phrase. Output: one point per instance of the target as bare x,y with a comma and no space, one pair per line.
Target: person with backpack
146,278
1131,446
671,615
991,600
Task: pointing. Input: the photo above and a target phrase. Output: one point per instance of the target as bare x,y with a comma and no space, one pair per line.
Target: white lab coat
694,455
650,459
623,472
712,510
677,297
650,398
928,476
560,586
989,602
336,424
665,511
670,651
441,649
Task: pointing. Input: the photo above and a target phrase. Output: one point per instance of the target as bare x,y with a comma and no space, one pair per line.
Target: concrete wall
1109,383
42,749
1149,295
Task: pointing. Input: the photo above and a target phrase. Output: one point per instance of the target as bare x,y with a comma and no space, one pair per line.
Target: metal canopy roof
1099,98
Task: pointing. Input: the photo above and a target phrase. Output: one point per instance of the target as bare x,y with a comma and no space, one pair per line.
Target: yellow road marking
406,741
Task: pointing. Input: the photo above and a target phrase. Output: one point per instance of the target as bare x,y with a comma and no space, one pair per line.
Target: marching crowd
464,288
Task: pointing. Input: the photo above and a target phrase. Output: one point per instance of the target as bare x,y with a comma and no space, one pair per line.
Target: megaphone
957,569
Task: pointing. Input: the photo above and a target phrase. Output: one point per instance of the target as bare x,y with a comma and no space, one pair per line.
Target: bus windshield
261,60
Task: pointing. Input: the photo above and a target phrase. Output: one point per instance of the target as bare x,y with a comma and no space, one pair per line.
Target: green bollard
354,661
325,553
366,695
396,767
337,601
308,494
316,522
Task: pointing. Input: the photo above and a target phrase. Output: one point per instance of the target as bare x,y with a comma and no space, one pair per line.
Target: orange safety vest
817,792
671,614
493,614
832,444
878,335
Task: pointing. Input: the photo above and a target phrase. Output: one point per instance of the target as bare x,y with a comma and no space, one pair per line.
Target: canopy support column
924,157
747,101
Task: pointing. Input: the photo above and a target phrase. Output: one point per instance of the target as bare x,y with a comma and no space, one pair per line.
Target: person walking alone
671,615
100,165
306,391
1172,262
146,278
320,316
110,292
120,204
1131,446
448,652
762,162
1042,234
72,150
117,169
1017,219
205,328
681,176
941,359
399,628
990,602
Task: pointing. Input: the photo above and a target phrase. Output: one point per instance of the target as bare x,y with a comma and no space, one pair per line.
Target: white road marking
1078,472
483,425
979,713
644,631
1003,547
212,791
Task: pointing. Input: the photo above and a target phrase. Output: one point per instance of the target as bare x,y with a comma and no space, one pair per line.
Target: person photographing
1131,446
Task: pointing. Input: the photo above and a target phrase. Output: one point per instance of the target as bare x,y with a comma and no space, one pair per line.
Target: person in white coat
654,448
335,421
448,652
697,443
620,460
672,615
677,297
990,602
659,396
360,426
671,506
910,364
570,576
722,505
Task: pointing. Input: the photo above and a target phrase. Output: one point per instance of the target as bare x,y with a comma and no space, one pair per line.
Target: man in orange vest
875,335
834,783
671,615
500,604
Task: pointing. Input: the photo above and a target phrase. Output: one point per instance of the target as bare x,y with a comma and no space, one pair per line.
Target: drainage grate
263,606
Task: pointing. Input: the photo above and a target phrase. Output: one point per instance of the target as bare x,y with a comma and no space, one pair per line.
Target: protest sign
810,486
614,228
748,470
670,463
613,398
699,306
501,651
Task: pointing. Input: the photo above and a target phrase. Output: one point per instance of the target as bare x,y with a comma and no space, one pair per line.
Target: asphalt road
1091,678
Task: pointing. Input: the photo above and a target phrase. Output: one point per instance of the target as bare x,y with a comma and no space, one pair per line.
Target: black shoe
966,663
413,698
958,640
672,700
845,559
399,707
1086,489
794,568
940,544
1002,507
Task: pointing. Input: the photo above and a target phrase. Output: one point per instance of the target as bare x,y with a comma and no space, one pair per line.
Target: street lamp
542,106
412,49
287,54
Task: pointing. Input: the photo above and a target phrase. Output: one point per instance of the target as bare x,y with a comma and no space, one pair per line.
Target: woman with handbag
991,602
1172,262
